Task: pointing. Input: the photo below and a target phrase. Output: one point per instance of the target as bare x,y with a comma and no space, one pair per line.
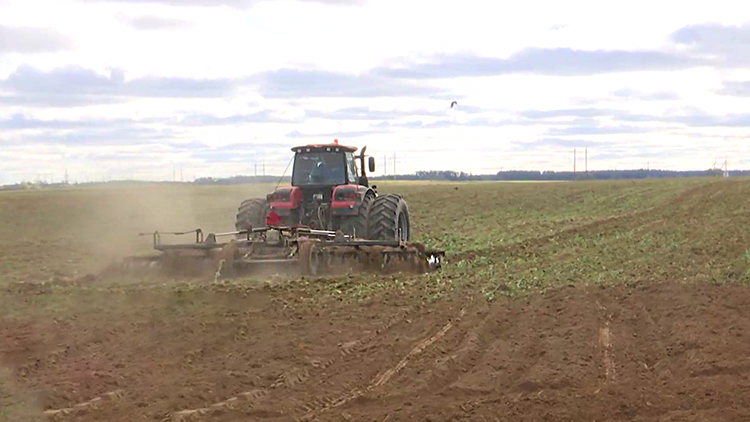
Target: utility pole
394,165
586,161
726,167
574,160
385,165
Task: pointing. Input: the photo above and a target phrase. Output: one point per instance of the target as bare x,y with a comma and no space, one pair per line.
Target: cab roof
324,147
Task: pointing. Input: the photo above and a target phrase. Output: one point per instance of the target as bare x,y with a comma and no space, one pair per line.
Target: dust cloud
121,214
118,215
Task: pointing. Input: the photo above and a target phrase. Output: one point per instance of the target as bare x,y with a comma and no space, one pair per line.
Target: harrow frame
309,251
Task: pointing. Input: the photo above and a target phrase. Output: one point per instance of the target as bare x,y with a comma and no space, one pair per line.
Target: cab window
351,169
318,168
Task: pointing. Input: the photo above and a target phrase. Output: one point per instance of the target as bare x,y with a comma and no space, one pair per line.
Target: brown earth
660,351
566,317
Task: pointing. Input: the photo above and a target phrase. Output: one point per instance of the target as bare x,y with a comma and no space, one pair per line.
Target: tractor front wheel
389,219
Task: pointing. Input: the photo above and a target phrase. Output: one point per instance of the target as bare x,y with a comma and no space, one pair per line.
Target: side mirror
371,164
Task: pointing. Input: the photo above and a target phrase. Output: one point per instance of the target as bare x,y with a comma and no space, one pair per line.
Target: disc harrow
297,250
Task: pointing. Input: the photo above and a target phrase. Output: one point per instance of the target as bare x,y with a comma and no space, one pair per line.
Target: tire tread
382,217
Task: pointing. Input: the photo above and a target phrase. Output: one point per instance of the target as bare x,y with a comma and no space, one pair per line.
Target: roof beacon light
336,141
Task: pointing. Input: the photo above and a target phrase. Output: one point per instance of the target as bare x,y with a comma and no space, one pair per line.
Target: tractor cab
328,190
328,165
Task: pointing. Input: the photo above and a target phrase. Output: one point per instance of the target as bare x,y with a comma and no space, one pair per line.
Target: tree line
434,175
531,175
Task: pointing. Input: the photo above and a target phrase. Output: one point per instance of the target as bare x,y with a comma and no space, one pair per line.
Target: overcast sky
151,88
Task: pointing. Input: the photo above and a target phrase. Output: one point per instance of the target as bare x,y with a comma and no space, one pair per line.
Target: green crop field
523,234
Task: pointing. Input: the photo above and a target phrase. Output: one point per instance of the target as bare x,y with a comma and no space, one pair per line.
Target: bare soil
658,351
623,302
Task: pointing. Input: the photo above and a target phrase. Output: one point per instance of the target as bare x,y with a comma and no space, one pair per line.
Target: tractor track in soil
316,408
292,379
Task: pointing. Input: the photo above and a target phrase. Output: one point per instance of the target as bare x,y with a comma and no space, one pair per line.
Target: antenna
283,174
574,160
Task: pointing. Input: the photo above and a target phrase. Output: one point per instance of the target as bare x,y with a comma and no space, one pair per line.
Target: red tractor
329,219
329,191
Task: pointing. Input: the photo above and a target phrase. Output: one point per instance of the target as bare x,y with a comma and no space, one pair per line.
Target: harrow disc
317,258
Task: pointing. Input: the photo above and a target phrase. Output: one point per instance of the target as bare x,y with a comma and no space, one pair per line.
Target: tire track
83,408
449,369
605,342
287,380
457,355
315,408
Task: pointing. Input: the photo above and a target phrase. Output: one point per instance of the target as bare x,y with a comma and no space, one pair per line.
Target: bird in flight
454,103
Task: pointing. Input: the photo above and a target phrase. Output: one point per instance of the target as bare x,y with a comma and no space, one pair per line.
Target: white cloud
133,87
239,4
32,40
146,22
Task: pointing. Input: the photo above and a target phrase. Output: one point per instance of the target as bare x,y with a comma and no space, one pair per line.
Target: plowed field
616,301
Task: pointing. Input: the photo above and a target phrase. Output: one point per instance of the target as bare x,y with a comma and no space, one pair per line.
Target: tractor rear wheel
357,224
389,219
251,213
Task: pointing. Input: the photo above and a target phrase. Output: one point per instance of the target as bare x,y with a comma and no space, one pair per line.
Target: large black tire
357,224
388,219
251,213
